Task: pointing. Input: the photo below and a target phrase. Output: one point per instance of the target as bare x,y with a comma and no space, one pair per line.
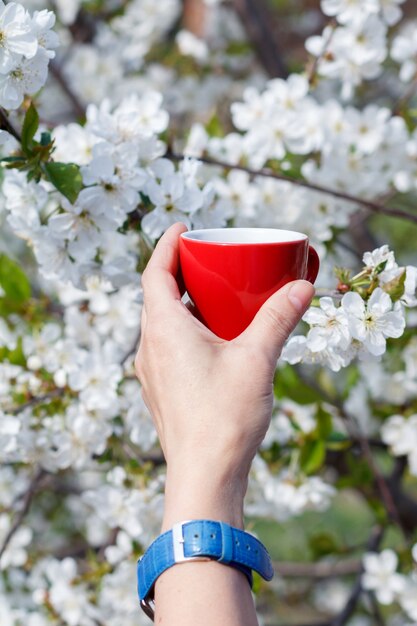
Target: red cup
230,272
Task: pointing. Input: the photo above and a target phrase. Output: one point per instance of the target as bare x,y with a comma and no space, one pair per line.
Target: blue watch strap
201,540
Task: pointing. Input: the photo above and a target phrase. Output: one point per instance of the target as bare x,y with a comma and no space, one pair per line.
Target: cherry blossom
18,38
401,435
373,323
380,575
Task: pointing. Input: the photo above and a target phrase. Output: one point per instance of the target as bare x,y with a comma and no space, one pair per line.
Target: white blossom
404,49
408,598
191,45
401,435
97,382
356,50
174,199
349,10
373,322
17,35
69,600
380,256
380,575
330,326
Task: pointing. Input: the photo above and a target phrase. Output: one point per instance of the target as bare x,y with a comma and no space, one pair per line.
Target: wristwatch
200,540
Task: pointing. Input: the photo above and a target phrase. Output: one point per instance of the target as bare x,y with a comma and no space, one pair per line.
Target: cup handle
313,265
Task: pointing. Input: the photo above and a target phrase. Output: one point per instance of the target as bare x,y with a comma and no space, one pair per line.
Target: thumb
278,317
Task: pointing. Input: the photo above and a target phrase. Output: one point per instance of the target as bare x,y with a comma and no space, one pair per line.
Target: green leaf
257,583
312,456
15,285
16,356
343,274
30,127
66,177
13,159
358,473
338,441
106,456
380,268
287,384
395,288
323,544
324,423
214,127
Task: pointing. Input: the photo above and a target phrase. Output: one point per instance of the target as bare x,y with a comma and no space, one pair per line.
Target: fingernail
300,295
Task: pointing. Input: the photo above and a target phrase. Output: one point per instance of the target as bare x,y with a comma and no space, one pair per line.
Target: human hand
210,399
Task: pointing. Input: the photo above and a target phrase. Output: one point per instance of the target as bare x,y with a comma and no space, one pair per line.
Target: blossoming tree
120,117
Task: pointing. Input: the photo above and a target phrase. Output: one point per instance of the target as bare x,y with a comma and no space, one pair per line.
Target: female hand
211,399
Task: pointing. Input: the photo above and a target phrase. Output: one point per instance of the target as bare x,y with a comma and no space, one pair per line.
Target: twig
110,542
376,613
346,246
56,393
257,21
379,477
27,501
194,17
132,350
310,624
314,66
406,505
331,293
350,606
406,97
56,72
267,173
319,570
355,433
6,124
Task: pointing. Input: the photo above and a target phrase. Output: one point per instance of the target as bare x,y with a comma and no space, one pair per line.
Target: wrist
205,495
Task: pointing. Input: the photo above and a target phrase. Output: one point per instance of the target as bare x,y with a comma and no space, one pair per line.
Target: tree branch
406,97
355,433
268,173
133,349
194,17
5,124
405,505
376,613
56,393
56,72
320,570
349,609
256,20
27,501
379,477
312,71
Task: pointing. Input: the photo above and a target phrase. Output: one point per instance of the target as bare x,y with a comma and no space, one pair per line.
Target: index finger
159,284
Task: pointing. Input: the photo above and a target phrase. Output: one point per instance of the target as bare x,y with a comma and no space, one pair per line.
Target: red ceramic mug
230,272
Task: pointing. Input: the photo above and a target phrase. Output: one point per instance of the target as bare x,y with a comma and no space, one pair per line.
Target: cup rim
281,236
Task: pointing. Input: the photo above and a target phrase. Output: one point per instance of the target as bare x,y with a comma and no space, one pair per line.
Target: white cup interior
243,235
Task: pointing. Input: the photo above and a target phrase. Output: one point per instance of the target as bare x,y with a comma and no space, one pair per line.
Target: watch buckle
178,545
147,608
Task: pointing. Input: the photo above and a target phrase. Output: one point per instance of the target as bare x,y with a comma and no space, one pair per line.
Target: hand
211,399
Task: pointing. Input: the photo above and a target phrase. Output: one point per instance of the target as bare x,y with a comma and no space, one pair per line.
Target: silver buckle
178,545
147,607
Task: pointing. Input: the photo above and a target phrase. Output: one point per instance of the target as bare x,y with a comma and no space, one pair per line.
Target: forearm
203,593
